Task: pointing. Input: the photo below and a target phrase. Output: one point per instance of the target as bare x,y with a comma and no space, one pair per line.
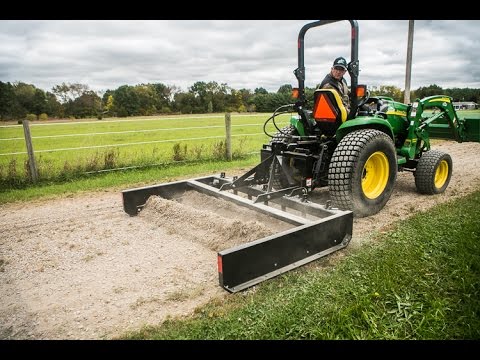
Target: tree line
20,101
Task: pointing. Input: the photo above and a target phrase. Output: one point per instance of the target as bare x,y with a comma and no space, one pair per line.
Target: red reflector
220,265
323,110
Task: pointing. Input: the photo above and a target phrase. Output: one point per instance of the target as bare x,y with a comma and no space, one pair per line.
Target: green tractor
357,154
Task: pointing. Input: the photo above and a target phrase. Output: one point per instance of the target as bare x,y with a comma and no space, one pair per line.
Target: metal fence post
31,155
228,131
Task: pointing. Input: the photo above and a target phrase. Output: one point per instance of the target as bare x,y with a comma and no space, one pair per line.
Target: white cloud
106,54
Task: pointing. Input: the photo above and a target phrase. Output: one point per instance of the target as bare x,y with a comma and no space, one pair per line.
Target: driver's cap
340,61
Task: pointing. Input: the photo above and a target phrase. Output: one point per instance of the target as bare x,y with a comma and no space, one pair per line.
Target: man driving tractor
335,80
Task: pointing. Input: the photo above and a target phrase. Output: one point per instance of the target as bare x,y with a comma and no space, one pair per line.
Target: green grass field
67,149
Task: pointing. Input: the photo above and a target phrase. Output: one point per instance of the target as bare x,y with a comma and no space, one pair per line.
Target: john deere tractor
357,154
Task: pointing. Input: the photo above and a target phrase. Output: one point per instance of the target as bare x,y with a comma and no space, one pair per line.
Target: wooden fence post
228,131
31,155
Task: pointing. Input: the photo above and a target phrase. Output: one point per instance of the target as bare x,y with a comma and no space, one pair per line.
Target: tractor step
315,230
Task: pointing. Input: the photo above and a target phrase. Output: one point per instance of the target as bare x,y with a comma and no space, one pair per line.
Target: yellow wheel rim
441,174
375,175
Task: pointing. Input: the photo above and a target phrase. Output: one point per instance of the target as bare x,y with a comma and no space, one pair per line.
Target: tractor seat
328,110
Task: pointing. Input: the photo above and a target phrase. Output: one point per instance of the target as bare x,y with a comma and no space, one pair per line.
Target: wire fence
127,144
65,149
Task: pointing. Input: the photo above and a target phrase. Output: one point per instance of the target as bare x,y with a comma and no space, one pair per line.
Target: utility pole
408,73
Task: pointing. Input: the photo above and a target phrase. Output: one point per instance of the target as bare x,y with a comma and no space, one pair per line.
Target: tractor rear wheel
433,173
362,172
280,181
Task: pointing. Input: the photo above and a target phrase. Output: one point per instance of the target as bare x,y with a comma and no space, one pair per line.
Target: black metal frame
319,230
257,176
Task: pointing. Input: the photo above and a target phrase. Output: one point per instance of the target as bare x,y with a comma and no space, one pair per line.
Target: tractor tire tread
425,172
343,164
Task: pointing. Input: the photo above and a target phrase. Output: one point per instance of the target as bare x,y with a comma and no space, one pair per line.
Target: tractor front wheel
433,173
362,172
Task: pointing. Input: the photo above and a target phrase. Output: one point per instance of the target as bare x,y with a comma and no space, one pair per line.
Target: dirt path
81,268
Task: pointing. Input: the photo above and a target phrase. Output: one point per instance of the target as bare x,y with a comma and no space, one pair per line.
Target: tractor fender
364,122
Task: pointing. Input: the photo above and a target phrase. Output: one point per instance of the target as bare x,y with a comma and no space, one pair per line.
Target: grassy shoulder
419,281
125,179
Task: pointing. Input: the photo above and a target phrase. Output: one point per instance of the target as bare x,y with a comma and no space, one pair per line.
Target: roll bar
353,66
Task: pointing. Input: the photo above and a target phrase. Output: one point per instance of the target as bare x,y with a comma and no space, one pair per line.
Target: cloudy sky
105,54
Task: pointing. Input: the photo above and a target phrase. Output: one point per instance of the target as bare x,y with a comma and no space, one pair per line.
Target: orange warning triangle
324,109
